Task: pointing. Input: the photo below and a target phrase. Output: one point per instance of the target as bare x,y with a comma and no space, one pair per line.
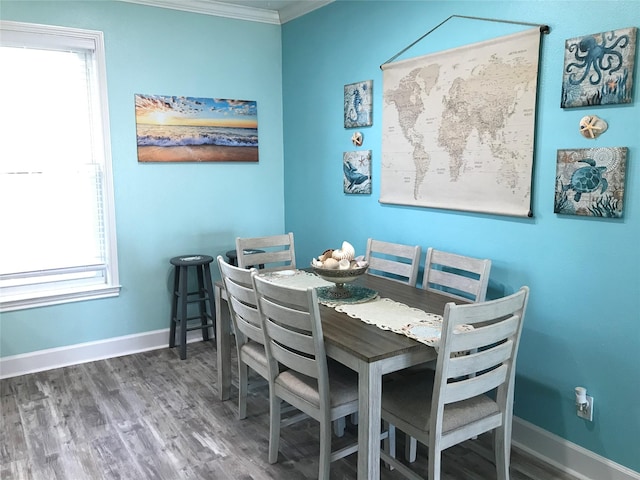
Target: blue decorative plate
346,293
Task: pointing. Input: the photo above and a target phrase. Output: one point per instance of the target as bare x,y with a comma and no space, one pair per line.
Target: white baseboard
562,454
15,365
566,456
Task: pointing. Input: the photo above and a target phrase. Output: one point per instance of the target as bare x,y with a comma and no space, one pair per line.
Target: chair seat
408,399
253,354
343,386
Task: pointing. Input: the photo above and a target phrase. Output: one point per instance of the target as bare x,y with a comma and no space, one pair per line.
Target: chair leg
390,442
410,449
502,449
274,427
325,450
435,457
339,426
243,385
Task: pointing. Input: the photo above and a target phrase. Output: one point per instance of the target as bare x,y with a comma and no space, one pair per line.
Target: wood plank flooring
153,416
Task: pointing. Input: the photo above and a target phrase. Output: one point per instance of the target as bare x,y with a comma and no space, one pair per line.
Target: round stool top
188,260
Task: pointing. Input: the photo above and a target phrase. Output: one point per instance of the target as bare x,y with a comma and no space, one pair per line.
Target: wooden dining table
365,348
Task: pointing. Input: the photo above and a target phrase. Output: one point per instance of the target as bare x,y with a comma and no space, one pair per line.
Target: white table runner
384,313
295,279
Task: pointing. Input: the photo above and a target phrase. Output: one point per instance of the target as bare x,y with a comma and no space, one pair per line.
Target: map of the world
458,127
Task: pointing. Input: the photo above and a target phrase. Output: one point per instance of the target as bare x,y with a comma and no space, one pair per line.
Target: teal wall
164,210
583,323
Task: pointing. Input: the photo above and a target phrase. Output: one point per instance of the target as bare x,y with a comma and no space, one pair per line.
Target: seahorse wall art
590,182
598,68
358,101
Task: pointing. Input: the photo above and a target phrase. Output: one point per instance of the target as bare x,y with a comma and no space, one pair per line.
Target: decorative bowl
340,277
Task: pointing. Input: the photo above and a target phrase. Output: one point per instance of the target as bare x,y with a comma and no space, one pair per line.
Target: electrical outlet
587,411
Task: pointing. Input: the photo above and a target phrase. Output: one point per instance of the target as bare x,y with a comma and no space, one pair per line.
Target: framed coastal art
189,129
358,101
590,181
598,68
357,172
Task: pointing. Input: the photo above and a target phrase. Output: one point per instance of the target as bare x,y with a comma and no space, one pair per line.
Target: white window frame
23,290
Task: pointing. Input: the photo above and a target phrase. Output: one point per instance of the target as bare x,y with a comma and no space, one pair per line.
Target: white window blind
56,196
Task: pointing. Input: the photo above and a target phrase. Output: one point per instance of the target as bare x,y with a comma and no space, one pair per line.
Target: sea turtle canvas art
590,182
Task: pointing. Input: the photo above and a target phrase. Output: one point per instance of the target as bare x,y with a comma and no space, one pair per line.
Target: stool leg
202,303
210,295
175,295
182,289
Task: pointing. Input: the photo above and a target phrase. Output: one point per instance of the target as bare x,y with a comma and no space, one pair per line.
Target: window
58,241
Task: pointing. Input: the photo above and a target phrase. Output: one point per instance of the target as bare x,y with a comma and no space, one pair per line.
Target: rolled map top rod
543,29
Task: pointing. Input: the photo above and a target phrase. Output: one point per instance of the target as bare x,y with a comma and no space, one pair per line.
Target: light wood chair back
298,368
247,326
457,276
278,252
450,406
393,260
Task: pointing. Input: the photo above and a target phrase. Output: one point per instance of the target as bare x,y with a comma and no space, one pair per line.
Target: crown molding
301,8
239,12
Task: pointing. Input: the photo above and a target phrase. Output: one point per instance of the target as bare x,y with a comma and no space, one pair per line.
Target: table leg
370,398
223,345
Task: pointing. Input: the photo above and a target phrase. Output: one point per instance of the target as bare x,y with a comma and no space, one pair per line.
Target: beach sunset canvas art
186,129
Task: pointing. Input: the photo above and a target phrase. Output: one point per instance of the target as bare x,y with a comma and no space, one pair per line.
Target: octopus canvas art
598,68
590,182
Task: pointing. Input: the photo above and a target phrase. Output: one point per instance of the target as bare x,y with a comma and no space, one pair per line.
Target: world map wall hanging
450,138
598,69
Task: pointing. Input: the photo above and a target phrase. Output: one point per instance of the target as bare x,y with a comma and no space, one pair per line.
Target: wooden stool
182,297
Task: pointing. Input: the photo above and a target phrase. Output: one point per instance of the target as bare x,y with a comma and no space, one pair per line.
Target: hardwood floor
153,416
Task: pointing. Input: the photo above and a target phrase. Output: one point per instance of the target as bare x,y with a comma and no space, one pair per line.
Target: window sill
8,304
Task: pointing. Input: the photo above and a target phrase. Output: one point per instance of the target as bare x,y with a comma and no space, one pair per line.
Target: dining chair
457,276
257,251
247,326
299,372
393,260
272,253
466,395
245,319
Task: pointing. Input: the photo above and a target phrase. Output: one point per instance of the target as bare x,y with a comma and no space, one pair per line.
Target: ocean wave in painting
179,136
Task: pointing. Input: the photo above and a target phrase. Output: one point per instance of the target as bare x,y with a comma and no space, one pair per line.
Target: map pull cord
543,29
